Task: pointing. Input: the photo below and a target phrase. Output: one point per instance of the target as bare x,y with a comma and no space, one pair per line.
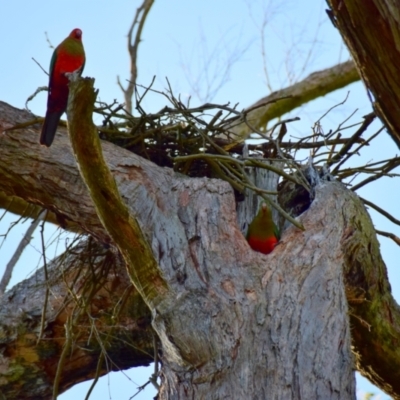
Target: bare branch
389,235
368,119
18,252
134,39
381,211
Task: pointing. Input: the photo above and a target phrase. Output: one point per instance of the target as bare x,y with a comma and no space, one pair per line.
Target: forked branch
134,38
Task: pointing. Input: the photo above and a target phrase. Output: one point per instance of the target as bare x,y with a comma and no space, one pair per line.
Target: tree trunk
271,326
234,323
371,31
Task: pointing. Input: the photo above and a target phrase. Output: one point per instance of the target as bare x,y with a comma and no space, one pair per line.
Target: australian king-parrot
68,57
263,234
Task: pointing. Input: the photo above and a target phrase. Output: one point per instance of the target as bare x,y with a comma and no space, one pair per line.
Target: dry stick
385,161
70,323
290,163
18,252
97,376
247,162
239,114
230,170
112,113
140,98
375,177
332,150
153,378
217,169
344,151
349,155
395,238
371,168
63,355
285,145
370,171
140,19
46,279
101,359
332,108
381,211
340,126
243,179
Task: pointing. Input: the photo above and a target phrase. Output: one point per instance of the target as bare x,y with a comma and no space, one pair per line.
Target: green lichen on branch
111,209
374,313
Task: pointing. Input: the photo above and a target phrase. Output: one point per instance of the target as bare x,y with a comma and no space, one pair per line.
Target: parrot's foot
73,76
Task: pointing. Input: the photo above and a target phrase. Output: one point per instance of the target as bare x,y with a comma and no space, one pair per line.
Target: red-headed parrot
263,234
69,56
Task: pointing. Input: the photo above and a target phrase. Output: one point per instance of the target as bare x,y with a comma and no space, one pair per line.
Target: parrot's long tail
49,127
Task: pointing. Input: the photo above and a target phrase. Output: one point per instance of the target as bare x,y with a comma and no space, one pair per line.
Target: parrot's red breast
263,235
68,57
263,245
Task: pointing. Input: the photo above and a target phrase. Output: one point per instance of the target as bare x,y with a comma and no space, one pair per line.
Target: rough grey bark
282,315
371,31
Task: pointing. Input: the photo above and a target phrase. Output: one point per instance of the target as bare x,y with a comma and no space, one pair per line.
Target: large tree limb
316,85
371,30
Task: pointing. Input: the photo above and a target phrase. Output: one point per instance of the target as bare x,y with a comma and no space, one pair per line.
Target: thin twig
63,355
19,250
133,45
381,211
46,281
389,235
346,147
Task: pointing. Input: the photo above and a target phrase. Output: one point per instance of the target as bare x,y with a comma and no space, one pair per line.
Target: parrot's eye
78,33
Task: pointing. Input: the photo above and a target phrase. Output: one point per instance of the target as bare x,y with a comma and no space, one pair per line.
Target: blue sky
181,40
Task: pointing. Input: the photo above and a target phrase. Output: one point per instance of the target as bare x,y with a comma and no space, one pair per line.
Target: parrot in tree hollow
263,234
68,57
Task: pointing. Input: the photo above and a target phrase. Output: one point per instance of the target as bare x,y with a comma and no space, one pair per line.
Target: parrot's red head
76,34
